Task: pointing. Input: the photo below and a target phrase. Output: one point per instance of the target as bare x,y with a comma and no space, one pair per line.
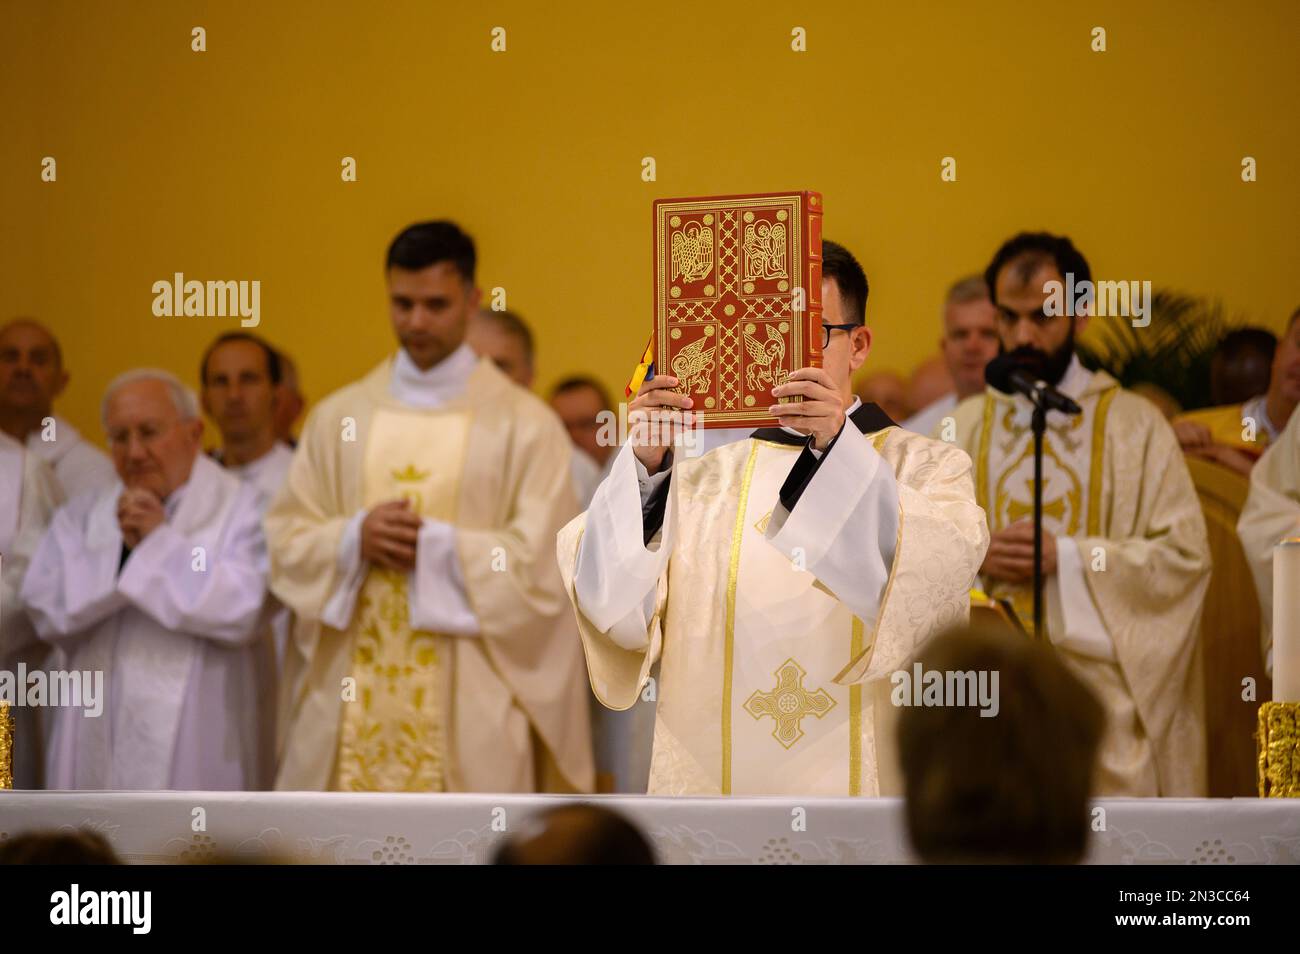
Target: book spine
812,277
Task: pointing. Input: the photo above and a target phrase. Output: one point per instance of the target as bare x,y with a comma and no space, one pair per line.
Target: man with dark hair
32,376
1125,555
504,338
839,264
1012,789
413,541
778,578
269,357
424,244
1030,252
239,378
885,389
1249,362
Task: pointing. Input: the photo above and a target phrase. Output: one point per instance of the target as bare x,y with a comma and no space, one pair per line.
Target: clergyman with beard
1125,557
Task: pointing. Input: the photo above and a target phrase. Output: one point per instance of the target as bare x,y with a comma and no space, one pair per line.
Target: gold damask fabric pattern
1141,535
1004,477
393,736
520,706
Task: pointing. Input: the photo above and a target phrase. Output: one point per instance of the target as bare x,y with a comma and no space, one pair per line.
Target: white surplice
735,592
28,496
179,631
267,475
79,466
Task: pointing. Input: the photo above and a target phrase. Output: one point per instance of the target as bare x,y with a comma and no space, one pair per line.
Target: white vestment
28,496
78,465
267,474
778,627
178,630
1271,514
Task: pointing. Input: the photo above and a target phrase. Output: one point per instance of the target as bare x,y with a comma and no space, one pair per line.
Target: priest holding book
779,579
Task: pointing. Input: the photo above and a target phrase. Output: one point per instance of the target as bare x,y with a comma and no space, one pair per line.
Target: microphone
1007,375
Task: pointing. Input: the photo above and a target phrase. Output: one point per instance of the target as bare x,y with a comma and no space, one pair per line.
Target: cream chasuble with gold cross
376,699
1133,564
777,629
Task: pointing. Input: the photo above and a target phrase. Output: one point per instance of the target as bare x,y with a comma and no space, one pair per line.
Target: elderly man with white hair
159,582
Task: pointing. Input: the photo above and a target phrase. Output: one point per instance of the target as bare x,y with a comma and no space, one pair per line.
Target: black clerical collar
868,418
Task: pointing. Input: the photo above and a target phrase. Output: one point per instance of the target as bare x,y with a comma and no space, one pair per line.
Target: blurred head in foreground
576,835
1010,789
57,848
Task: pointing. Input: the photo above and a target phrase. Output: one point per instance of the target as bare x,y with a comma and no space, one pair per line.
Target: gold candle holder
6,747
1279,750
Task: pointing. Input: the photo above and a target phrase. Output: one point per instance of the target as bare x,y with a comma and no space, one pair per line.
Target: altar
366,829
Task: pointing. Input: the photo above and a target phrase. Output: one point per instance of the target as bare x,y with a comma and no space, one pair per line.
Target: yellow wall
225,164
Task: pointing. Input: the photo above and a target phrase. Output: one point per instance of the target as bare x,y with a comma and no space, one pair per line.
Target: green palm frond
1173,352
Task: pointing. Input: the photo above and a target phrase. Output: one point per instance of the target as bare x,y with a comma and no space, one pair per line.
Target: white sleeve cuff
352,573
615,571
1074,622
436,594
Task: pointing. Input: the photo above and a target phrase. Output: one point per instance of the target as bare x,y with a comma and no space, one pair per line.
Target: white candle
1286,621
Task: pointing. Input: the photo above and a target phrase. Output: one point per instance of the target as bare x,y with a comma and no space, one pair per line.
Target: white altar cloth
335,828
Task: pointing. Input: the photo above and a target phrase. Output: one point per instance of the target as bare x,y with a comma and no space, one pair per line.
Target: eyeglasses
827,329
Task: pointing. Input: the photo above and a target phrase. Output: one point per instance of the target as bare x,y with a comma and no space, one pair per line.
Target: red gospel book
738,301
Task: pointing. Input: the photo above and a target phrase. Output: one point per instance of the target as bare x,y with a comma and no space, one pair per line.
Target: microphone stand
1038,423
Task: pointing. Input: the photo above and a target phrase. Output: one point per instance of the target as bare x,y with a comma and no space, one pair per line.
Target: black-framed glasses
827,329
